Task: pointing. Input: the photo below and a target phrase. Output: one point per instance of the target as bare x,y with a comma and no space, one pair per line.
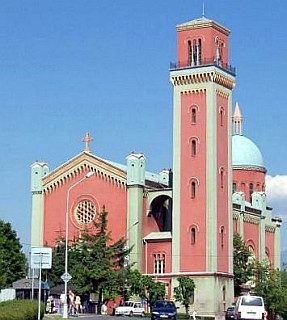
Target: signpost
41,258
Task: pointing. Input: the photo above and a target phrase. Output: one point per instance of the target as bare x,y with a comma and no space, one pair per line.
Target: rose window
85,212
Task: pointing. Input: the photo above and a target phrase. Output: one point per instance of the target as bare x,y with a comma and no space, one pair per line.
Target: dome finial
237,120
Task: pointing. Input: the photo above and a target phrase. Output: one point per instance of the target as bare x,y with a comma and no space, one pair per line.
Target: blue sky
102,66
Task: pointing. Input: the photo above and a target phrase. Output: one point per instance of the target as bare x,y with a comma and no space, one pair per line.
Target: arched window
221,177
222,237
243,187
193,115
193,190
251,190
193,148
199,51
159,263
189,52
192,235
221,116
234,187
258,187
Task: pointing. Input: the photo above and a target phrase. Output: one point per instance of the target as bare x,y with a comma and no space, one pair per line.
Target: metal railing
203,63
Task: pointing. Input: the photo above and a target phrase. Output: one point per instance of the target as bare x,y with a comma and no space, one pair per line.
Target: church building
179,221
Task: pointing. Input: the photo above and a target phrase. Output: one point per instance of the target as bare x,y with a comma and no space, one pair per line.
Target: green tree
145,287
269,284
12,259
242,268
95,262
184,291
58,264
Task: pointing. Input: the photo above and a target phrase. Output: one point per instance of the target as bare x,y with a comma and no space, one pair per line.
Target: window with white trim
159,263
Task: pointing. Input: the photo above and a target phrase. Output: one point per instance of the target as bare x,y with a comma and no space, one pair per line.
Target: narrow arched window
258,187
193,189
234,187
221,178
190,53
192,236
251,190
193,148
199,50
221,117
222,236
193,115
243,187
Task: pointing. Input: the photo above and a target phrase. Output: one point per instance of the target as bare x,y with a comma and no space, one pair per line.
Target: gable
84,162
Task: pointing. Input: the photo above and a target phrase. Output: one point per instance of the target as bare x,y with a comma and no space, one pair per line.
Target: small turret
164,176
135,169
259,200
38,171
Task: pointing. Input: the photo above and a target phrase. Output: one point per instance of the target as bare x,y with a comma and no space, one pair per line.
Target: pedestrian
71,302
104,309
78,304
62,301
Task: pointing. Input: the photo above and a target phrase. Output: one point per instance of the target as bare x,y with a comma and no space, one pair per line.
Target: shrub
20,310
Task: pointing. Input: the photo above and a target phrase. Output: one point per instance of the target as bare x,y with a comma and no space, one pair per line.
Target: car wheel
142,314
131,314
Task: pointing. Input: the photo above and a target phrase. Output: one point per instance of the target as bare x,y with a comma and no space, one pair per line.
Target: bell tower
202,217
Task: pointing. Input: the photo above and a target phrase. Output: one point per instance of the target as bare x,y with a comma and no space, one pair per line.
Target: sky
102,66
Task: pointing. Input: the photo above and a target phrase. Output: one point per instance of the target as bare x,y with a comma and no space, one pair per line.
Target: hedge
20,310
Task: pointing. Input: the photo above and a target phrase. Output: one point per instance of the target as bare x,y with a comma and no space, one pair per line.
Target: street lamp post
66,276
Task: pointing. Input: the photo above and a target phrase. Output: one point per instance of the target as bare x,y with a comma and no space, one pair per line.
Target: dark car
229,313
162,309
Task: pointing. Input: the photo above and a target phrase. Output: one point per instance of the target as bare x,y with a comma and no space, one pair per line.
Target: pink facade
193,175
151,250
209,38
222,182
251,237
100,191
269,247
243,178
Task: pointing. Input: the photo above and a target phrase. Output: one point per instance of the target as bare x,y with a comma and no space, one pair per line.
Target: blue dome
245,153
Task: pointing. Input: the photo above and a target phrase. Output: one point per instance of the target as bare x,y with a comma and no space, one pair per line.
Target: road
93,317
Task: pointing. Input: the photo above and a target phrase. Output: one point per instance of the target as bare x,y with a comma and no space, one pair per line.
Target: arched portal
160,210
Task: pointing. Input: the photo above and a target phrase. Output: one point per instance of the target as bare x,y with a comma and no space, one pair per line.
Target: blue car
163,309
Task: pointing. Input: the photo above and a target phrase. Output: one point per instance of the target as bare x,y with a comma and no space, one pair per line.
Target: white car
130,308
249,307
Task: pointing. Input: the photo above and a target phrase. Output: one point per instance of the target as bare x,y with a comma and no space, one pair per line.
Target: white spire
237,120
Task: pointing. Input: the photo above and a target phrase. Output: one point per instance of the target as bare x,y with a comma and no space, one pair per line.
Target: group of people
74,304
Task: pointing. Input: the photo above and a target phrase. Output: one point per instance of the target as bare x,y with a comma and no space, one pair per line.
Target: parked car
229,313
249,307
130,308
162,309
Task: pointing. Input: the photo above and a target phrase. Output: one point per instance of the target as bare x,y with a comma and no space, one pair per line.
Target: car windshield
230,309
164,304
251,301
128,304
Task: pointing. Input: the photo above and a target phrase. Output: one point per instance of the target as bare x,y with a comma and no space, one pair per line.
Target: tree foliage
242,268
269,284
12,259
145,287
94,261
184,291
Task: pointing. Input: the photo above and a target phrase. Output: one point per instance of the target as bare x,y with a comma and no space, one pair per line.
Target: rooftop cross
87,140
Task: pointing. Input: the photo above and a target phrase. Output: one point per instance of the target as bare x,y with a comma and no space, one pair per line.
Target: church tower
202,215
